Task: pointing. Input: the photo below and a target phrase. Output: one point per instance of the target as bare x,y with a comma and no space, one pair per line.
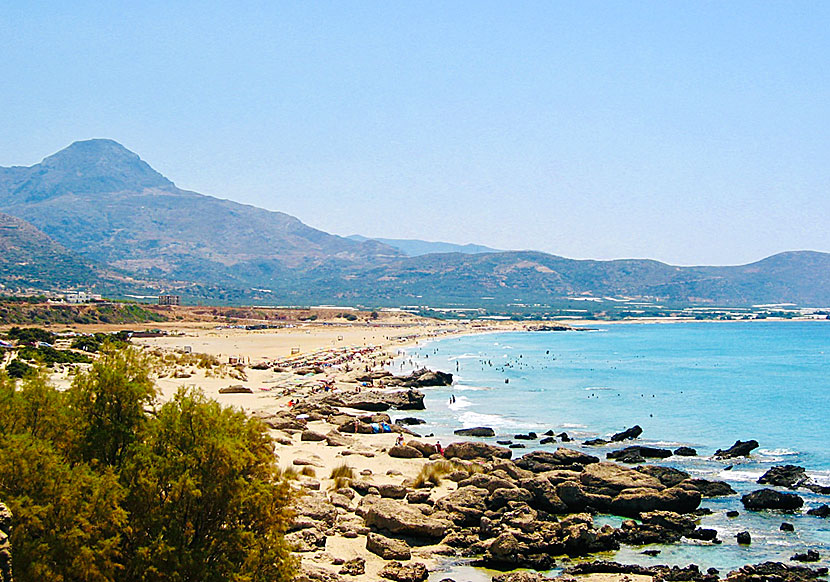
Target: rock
771,499
420,378
305,463
786,526
732,514
310,435
632,502
744,538
595,442
505,442
531,436
810,556
739,449
790,476
475,450
392,491
236,389
563,436
775,572
5,544
486,481
426,449
306,540
668,476
311,573
396,517
685,452
378,400
503,497
316,506
413,572
705,534
647,452
516,446
540,461
628,434
611,476
479,431
577,500
820,511
354,567
387,548
709,488
465,505
547,441
409,421
631,457
335,439
405,452
545,496
419,496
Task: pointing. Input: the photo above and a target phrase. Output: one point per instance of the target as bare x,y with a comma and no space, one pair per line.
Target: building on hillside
82,297
170,299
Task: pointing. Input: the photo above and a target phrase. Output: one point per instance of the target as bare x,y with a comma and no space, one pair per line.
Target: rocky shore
393,511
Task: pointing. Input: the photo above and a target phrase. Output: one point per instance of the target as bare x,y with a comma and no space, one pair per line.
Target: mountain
100,199
30,259
97,203
416,247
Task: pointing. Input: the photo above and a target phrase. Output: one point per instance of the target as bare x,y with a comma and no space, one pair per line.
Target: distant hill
97,203
30,259
416,248
99,199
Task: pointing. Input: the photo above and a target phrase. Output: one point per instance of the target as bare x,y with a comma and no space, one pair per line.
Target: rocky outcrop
405,519
541,461
789,476
411,572
642,451
378,400
739,449
405,452
633,502
419,379
685,452
5,544
387,548
775,571
628,434
820,511
470,450
479,431
236,389
616,478
709,488
771,499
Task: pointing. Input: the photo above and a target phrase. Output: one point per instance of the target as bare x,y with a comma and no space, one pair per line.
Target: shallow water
701,384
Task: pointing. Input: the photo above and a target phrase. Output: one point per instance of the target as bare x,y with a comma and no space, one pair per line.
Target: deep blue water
701,384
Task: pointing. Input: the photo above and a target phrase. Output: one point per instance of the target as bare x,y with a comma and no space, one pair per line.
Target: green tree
67,518
109,402
205,498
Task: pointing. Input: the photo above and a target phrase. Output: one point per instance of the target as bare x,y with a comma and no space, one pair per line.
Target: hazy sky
690,132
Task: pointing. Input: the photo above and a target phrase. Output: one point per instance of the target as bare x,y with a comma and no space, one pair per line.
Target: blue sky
693,133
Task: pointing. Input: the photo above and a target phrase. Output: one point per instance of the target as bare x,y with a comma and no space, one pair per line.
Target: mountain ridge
102,201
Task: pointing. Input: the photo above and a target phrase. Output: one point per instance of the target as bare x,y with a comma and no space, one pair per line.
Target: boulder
405,452
809,556
354,567
335,439
739,449
392,491
306,540
378,400
576,499
633,502
401,518
709,488
412,572
426,449
628,434
310,435
789,476
540,461
479,431
316,506
646,452
612,476
685,452
595,442
466,505
668,476
820,511
775,571
503,497
566,456
236,389
744,538
387,548
786,526
475,450
486,481
544,495
771,499
409,421
311,573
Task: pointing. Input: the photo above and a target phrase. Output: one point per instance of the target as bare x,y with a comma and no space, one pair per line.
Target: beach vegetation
433,473
342,476
308,471
17,368
105,484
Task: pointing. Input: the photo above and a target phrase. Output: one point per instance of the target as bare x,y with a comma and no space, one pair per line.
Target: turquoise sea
702,384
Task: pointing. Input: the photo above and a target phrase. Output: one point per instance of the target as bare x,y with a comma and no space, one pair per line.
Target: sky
688,132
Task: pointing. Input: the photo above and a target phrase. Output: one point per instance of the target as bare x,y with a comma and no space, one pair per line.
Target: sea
698,384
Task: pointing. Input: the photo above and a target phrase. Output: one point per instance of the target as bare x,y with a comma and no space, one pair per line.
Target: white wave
465,357
738,475
597,388
464,388
820,477
573,425
471,419
777,452
460,402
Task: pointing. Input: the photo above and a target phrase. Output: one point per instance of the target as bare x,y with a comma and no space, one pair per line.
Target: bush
18,369
31,335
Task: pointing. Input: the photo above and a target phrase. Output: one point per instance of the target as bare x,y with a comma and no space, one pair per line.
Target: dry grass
433,472
289,473
342,476
308,471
